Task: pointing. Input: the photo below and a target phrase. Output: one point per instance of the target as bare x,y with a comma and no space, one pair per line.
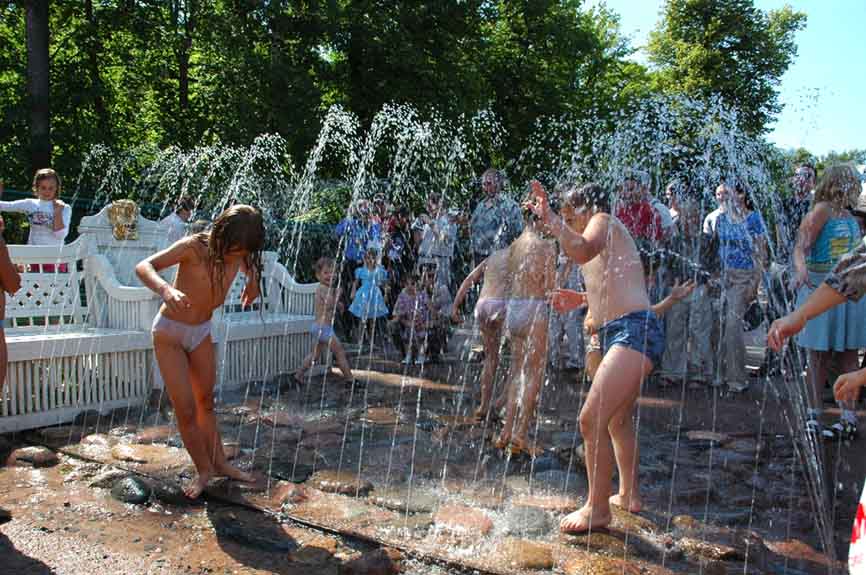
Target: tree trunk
38,83
94,47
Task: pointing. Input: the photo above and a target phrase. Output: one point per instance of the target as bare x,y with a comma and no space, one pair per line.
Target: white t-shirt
40,214
668,221
174,227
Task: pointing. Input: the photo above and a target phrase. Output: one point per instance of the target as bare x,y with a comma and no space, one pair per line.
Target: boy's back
497,282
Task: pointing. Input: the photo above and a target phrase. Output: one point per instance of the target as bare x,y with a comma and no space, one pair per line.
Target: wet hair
184,203
46,174
199,226
322,263
589,195
238,227
840,185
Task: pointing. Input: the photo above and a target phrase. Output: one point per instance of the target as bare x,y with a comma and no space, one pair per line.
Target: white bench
66,356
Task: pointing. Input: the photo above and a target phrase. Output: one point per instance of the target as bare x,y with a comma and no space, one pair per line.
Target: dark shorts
639,330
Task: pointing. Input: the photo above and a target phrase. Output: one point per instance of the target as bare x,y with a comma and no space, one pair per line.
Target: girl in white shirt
48,216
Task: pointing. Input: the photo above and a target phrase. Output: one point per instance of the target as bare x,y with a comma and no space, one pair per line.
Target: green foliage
726,49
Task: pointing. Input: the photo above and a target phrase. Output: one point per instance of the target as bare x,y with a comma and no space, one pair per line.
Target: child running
326,305
490,315
631,337
207,265
532,269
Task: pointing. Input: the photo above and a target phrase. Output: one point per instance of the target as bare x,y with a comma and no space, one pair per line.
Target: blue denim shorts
323,333
639,330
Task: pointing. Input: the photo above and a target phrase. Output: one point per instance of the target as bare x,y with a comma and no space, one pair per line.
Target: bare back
497,282
614,278
531,266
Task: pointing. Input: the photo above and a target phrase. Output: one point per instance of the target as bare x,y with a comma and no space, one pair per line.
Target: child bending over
327,303
207,265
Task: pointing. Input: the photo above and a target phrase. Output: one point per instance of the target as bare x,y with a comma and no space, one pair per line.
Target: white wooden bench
65,356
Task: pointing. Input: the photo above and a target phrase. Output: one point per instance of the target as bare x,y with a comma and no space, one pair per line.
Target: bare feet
194,488
630,503
583,520
503,441
520,446
225,470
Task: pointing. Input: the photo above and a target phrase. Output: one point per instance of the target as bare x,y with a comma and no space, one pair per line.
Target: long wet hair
238,227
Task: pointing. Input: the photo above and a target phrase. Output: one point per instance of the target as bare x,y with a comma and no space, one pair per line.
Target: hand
589,325
847,386
682,291
537,202
801,278
2,223
784,328
249,294
174,299
58,205
565,300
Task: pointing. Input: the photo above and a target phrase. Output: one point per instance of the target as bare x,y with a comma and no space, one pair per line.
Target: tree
727,49
38,84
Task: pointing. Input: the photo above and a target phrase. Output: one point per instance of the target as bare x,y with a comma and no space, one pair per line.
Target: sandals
843,429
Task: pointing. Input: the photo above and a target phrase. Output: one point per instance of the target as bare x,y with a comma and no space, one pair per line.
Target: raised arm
148,272
579,247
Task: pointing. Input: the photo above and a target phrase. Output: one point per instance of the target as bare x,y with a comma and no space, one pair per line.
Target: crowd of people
628,283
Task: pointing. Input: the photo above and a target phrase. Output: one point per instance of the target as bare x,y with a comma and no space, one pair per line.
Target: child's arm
847,386
564,300
10,279
472,279
148,272
822,299
251,289
579,247
62,217
678,293
23,206
806,236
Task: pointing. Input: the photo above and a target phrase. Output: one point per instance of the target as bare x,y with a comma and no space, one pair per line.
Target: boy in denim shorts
631,336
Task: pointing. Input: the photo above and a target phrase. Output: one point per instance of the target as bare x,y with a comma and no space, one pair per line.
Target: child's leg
490,334
614,389
4,358
174,367
535,362
625,448
816,376
202,378
515,373
309,360
340,358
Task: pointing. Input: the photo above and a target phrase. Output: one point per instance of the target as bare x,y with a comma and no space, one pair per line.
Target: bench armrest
113,305
285,294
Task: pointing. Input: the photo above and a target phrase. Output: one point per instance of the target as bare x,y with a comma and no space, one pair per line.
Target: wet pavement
394,477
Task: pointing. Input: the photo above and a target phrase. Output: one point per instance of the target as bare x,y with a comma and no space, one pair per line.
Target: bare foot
522,446
481,412
194,488
503,441
630,503
226,470
584,520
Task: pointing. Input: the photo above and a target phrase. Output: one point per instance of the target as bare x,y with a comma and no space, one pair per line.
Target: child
48,216
207,265
327,303
532,269
440,312
490,315
10,282
632,342
410,320
368,304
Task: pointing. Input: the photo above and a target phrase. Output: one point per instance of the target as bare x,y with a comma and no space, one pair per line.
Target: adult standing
742,248
175,224
496,220
827,233
437,237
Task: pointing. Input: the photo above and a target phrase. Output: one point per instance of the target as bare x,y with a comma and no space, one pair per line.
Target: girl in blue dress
368,303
